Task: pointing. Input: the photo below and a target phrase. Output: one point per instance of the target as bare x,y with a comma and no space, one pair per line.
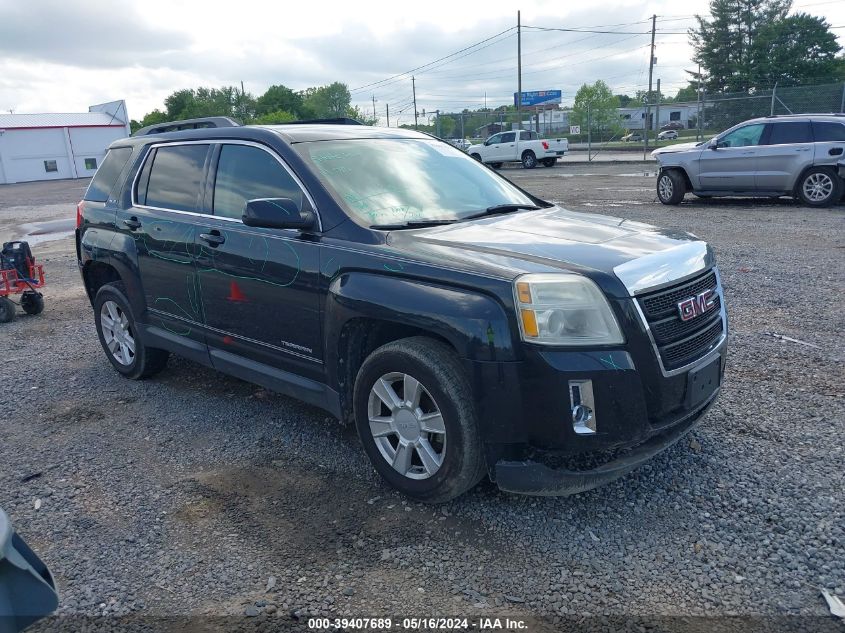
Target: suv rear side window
828,131
175,178
788,132
106,176
246,173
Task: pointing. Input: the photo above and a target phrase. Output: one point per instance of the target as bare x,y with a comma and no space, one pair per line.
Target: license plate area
702,382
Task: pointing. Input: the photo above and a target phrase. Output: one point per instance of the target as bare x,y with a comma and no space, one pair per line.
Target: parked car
667,135
463,325
672,125
793,155
460,143
27,589
633,136
519,146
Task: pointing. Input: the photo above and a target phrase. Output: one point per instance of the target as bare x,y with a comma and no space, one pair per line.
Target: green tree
279,98
151,118
602,106
751,44
275,118
329,101
624,100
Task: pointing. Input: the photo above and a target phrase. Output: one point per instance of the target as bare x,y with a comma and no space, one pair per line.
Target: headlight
564,309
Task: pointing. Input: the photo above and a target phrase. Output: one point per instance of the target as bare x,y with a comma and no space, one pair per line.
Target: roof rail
343,120
187,124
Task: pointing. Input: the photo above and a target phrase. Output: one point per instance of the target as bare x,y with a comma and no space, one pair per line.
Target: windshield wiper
411,224
499,209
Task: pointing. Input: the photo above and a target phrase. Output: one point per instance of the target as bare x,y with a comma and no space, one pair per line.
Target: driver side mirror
279,213
714,145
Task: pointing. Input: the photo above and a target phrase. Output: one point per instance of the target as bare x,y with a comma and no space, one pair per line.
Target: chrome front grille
679,342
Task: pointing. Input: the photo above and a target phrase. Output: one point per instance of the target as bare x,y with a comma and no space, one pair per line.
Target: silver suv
795,155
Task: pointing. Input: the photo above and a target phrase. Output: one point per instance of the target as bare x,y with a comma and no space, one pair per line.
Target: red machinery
19,274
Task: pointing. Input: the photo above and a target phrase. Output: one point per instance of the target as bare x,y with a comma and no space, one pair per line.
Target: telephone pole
387,110
375,114
518,71
414,89
657,113
647,122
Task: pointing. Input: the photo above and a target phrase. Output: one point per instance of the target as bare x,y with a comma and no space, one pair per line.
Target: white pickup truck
519,146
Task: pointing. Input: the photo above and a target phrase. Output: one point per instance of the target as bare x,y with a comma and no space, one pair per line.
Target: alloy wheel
117,333
407,425
665,187
818,187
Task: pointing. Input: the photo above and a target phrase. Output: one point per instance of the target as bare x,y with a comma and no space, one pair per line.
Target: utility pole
698,116
387,109
657,113
438,123
375,114
647,123
518,71
414,88
774,92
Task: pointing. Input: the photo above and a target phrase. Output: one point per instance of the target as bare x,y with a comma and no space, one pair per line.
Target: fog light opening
583,406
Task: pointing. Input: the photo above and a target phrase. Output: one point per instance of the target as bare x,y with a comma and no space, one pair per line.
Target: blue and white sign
539,97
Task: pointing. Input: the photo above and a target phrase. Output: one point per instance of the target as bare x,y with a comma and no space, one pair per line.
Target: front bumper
536,478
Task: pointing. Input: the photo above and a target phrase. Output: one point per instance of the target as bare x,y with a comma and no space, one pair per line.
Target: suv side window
743,137
529,136
508,137
245,173
828,131
493,140
106,176
175,178
788,132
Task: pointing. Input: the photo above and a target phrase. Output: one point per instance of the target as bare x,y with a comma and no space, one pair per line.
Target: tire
455,458
529,160
32,303
496,165
549,162
476,157
819,187
671,187
7,310
119,335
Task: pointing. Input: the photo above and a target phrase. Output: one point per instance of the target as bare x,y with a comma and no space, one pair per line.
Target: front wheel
32,303
819,187
476,157
415,417
671,187
529,160
549,162
119,336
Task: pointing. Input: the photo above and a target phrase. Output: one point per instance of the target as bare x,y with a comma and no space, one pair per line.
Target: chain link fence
692,120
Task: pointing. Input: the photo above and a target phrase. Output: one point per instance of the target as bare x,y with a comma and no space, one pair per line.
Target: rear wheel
671,187
819,187
549,162
119,336
529,160
7,310
476,157
32,303
414,414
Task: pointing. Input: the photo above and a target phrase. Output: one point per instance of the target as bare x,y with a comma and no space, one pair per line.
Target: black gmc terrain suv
465,326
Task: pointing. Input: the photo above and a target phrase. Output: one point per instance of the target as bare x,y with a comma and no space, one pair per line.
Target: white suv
796,155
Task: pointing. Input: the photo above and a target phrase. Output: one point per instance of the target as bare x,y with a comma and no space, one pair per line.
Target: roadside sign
539,97
574,129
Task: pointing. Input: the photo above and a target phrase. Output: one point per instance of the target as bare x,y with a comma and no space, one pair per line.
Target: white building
53,146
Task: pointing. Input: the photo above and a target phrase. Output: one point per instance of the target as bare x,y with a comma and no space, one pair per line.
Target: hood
677,147
547,240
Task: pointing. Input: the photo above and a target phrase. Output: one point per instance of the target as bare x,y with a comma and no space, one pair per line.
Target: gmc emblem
692,307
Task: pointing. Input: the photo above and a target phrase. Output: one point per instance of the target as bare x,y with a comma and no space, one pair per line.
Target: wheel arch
803,173
682,171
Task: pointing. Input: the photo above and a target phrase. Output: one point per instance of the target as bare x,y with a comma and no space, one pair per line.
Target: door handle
836,151
133,223
212,239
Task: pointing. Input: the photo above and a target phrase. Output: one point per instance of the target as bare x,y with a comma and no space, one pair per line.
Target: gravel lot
198,494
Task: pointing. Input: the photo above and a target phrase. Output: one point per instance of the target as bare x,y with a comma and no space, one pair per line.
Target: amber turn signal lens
529,323
523,292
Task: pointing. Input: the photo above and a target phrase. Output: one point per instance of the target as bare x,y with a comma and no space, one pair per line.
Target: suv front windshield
394,181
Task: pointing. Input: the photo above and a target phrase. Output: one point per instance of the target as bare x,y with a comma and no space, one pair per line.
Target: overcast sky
63,55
